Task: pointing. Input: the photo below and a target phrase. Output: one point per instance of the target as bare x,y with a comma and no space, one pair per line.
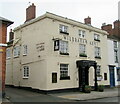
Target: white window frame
63,28
115,43
82,49
26,71
25,50
64,70
98,70
81,33
8,53
16,51
116,55
63,47
97,52
96,37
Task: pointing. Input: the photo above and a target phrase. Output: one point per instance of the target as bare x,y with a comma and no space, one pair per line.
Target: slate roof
6,21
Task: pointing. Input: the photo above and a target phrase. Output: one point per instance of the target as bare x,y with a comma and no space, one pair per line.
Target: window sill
8,58
24,54
64,53
83,55
16,56
65,78
25,77
64,32
97,57
97,40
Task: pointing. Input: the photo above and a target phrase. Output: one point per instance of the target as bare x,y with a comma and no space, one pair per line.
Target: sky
100,11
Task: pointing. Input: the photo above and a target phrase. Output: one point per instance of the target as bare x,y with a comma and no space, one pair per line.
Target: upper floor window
81,33
64,71
25,72
16,51
64,48
115,44
25,49
63,29
116,56
96,37
82,50
8,53
97,52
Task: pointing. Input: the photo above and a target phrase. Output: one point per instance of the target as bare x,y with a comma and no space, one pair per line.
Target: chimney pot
11,35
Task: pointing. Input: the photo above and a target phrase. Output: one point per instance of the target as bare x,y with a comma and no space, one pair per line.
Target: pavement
79,96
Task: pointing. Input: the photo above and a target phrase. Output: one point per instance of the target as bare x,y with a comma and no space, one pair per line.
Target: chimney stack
30,12
116,28
11,35
87,20
107,28
116,24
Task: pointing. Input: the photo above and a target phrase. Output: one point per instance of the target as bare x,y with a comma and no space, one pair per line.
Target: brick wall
3,35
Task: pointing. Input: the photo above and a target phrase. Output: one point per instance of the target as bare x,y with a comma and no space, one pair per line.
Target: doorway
83,71
112,76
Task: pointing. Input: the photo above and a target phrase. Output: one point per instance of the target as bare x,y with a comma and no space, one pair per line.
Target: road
20,95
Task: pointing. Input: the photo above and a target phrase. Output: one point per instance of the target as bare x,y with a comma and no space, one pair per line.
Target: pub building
54,53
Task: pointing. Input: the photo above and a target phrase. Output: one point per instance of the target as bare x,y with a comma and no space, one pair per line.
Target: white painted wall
111,60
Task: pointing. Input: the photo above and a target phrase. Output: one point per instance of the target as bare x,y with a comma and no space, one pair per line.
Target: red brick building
4,23
113,31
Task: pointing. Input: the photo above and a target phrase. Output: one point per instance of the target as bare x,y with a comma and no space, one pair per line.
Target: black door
86,76
83,77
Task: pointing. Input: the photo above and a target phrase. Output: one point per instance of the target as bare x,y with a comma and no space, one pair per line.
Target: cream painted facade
39,35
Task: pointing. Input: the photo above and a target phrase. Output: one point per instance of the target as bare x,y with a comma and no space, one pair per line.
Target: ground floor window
26,72
64,71
98,70
118,74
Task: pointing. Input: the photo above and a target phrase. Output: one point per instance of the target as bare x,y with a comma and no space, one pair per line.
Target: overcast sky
100,11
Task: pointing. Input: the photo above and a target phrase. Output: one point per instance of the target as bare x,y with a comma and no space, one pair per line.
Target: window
98,70
16,51
97,52
63,29
96,37
25,72
25,50
116,56
82,50
81,33
8,53
64,48
118,74
54,77
56,45
64,71
105,76
115,44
